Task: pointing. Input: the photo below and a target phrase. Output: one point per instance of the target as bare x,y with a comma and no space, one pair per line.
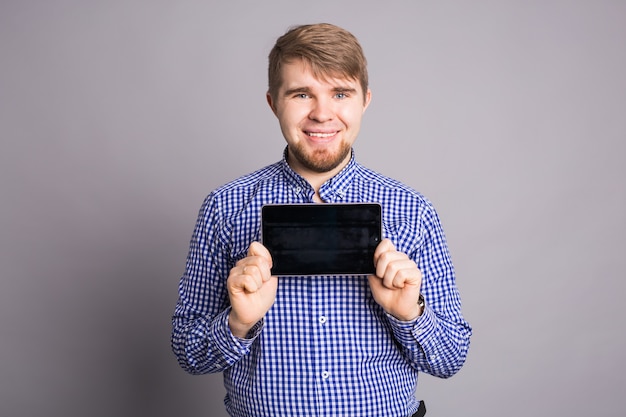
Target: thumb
257,249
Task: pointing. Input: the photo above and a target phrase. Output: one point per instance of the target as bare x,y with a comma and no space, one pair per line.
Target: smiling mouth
321,135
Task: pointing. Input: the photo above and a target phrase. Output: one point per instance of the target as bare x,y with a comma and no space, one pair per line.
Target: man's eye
302,95
341,95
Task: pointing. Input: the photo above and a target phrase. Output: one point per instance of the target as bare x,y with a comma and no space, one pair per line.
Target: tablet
321,239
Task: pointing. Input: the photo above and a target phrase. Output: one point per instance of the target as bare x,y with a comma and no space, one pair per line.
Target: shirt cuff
232,346
416,330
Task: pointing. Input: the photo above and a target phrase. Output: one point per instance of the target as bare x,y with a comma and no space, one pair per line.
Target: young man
316,346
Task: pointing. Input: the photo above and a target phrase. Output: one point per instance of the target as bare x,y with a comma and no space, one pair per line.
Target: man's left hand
396,285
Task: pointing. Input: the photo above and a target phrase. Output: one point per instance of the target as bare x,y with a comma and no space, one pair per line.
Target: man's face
320,119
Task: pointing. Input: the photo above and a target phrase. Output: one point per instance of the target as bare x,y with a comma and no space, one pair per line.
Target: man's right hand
251,288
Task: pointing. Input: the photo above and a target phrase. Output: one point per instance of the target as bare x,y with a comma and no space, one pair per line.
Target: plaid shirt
325,348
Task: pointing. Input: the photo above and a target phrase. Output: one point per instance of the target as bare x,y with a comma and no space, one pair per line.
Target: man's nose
322,110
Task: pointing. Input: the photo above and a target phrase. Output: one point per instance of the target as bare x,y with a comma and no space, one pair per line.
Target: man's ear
368,99
271,103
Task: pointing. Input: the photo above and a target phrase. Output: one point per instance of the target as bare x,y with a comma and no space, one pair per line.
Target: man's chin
321,161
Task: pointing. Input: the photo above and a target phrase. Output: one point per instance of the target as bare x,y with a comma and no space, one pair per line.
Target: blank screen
322,239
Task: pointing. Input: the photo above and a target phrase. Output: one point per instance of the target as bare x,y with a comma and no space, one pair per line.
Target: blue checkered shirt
325,348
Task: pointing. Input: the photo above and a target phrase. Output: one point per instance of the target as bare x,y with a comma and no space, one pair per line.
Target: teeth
321,135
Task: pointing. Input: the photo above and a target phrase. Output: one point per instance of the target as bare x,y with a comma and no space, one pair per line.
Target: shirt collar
295,179
332,190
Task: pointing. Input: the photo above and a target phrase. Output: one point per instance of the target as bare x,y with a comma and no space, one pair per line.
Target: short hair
328,50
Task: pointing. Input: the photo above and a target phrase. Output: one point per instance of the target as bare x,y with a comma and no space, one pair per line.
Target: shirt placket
320,325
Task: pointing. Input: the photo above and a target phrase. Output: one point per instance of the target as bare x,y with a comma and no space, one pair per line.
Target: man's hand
396,285
251,289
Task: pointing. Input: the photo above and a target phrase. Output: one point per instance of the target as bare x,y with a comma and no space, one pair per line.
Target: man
319,346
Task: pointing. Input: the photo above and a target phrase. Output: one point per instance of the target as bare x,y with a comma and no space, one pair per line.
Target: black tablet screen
322,239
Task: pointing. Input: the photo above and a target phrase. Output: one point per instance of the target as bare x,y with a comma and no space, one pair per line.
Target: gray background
118,117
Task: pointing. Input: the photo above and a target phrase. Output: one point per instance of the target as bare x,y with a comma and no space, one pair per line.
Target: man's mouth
321,135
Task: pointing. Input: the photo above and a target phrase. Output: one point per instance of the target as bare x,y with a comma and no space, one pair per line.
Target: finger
239,283
260,273
243,278
400,270
266,273
385,245
252,282
390,276
250,285
401,277
407,274
260,256
255,272
257,249
386,260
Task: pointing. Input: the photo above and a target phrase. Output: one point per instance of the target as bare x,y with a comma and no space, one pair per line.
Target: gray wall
118,117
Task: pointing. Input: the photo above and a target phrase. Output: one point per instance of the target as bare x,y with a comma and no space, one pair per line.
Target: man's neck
317,179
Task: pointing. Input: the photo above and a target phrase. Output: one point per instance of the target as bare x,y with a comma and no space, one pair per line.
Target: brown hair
328,50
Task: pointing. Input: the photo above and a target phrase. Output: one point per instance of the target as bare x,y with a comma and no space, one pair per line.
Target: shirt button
325,374
322,319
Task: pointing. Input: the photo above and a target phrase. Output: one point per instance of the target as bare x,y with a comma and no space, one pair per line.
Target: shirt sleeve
201,338
437,342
